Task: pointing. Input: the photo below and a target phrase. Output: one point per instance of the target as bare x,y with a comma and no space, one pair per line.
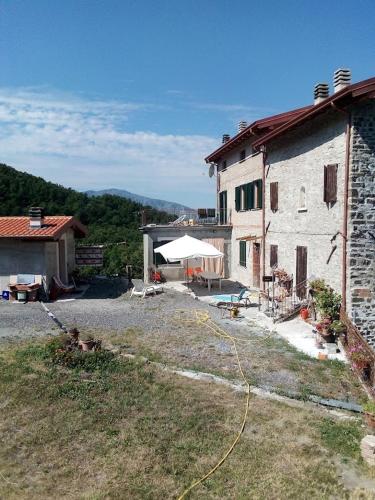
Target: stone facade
244,222
361,224
296,161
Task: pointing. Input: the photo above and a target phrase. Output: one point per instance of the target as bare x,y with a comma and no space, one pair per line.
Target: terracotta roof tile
53,227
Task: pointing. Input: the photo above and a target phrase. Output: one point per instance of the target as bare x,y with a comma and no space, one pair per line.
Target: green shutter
251,195
243,253
260,193
238,198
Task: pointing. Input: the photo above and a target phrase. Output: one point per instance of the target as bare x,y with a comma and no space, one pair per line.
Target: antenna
211,170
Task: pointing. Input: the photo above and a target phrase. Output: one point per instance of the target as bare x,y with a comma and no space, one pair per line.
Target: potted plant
86,342
358,356
324,329
338,328
369,411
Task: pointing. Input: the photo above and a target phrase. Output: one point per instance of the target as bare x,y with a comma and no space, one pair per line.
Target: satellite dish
211,170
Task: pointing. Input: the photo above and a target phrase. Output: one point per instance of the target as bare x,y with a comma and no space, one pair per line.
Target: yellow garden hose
203,318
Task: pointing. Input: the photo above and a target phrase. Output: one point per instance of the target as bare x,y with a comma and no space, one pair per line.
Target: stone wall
361,230
296,161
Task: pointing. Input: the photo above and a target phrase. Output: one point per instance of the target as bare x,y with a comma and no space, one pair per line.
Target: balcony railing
204,216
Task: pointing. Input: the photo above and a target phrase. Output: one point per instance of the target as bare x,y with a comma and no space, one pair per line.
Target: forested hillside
110,219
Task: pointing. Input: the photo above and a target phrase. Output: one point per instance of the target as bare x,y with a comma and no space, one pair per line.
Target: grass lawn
100,426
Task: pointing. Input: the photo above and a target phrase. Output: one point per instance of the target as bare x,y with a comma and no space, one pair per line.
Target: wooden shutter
301,271
273,256
238,198
330,183
274,196
243,253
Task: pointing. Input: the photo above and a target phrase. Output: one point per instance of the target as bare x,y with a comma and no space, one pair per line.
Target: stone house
240,195
39,246
318,214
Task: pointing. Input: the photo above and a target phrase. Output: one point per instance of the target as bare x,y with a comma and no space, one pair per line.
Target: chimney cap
342,78
242,125
321,92
226,138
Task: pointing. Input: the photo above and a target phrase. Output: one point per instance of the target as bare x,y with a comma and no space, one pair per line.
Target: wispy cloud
90,143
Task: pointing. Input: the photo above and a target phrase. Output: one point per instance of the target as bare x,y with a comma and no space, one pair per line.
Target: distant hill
166,206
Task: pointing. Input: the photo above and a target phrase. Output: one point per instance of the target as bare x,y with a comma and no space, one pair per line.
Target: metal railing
282,300
203,216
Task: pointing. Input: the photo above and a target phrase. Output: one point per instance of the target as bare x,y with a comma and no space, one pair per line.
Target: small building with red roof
39,246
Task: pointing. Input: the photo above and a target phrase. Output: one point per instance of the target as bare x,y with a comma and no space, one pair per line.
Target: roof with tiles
52,228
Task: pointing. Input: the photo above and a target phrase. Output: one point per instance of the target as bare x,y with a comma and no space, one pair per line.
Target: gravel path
156,328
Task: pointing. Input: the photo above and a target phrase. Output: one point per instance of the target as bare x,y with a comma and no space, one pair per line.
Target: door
256,265
62,262
301,272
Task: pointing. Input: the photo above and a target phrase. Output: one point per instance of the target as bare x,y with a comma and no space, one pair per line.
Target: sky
134,95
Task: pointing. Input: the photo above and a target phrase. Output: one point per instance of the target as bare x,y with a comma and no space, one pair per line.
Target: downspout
346,204
264,214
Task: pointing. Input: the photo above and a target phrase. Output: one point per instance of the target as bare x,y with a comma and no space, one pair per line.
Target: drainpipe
264,153
345,215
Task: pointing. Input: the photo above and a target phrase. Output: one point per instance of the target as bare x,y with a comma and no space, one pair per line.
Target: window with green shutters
249,196
243,253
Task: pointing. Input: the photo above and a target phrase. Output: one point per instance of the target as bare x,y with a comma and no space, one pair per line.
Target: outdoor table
209,277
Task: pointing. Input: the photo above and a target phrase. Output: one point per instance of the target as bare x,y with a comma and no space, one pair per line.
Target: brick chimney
36,217
341,79
321,92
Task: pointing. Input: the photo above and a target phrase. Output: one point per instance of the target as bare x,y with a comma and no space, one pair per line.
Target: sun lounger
236,300
141,289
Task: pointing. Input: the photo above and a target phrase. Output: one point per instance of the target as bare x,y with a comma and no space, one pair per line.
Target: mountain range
166,206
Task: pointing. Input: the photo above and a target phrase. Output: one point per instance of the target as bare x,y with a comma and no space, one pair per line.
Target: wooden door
256,265
62,262
301,272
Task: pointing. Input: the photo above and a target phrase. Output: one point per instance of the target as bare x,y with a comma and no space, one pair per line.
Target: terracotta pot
370,420
304,313
86,345
322,356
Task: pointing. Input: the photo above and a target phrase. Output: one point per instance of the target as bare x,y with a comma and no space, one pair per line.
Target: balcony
202,217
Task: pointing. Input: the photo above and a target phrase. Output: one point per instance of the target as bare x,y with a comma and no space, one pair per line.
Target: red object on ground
304,313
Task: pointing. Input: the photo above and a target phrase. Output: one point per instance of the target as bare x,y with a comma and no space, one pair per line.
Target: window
302,206
243,253
274,196
330,183
273,256
258,193
223,218
249,196
242,154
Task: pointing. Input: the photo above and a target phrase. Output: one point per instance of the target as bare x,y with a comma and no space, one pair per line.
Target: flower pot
370,420
322,356
304,313
86,345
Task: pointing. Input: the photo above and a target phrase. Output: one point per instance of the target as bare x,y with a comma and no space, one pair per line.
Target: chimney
36,217
321,92
241,126
341,79
226,138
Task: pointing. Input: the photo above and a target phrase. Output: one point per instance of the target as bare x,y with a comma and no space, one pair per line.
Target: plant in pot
358,357
328,303
369,411
86,342
324,329
317,286
338,328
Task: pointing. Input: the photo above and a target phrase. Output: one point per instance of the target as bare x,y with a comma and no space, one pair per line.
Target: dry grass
121,429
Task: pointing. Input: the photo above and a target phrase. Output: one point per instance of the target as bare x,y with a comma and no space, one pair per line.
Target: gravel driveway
156,328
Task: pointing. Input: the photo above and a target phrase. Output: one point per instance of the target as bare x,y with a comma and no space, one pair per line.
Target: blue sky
134,94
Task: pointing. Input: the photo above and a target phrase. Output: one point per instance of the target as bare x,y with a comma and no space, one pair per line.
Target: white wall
247,222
